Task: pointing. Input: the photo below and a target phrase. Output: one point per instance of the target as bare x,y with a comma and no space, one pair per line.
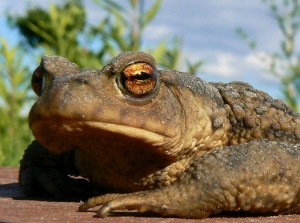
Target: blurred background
218,40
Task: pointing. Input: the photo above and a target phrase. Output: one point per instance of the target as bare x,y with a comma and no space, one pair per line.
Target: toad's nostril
81,81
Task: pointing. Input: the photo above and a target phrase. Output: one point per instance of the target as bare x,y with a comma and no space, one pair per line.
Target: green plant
14,81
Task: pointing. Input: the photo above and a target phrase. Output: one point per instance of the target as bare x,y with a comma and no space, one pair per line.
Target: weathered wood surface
15,208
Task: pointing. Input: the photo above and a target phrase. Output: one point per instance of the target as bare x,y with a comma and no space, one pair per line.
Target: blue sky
207,29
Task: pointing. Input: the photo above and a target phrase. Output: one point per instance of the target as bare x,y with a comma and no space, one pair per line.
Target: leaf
112,8
151,13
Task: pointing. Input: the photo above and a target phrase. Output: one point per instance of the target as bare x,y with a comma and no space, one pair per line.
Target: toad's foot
146,201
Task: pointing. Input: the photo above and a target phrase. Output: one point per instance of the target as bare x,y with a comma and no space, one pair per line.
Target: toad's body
182,146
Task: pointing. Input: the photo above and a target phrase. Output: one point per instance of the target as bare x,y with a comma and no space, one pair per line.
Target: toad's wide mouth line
155,138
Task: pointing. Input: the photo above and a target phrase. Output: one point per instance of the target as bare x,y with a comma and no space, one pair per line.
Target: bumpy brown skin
188,148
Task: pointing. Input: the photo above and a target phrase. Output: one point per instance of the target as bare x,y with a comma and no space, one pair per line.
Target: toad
159,141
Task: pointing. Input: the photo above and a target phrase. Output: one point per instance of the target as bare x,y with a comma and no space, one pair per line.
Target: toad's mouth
60,136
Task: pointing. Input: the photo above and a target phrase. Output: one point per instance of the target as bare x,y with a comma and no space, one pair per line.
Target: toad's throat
111,155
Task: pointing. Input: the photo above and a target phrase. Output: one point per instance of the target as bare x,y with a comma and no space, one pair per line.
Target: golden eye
139,79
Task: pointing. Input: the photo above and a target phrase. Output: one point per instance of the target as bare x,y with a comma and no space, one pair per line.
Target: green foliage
57,31
241,32
284,63
14,131
167,57
192,68
123,28
63,30
42,27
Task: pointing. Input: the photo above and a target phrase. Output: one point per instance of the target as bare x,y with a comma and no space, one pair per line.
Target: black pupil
141,76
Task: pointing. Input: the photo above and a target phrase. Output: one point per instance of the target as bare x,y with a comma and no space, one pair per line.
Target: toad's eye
37,81
139,79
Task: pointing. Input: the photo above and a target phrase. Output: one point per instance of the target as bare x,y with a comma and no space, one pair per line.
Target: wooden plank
14,207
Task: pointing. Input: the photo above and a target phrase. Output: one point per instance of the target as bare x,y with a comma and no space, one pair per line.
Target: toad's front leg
259,176
43,173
